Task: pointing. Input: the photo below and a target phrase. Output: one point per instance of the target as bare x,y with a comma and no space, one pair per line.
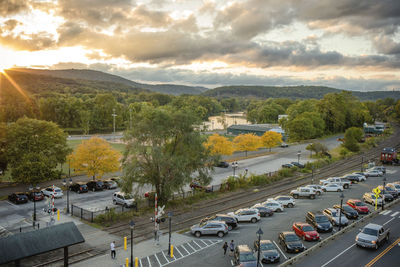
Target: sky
346,44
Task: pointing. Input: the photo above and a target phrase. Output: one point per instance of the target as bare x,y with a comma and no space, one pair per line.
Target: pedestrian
113,254
225,247
232,247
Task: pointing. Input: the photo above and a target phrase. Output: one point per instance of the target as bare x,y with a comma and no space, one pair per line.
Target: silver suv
303,192
333,216
372,236
123,199
209,228
286,201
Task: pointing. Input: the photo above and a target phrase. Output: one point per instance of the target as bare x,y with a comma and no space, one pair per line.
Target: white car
246,215
332,188
317,188
394,186
333,216
273,205
48,192
373,173
286,201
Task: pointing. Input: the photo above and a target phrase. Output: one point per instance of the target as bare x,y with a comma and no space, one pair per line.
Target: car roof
301,223
20,193
373,226
354,200
244,248
265,241
216,222
288,233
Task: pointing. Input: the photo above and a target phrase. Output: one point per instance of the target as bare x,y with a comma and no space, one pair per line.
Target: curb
335,235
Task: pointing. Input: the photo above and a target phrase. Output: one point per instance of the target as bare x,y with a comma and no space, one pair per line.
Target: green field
117,146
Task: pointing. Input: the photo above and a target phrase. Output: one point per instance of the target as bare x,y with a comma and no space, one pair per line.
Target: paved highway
271,226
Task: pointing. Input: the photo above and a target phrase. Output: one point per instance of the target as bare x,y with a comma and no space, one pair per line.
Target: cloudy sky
348,44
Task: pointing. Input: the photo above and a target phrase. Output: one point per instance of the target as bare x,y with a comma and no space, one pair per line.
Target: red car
358,205
305,231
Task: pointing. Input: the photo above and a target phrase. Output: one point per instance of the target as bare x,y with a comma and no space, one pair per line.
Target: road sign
376,191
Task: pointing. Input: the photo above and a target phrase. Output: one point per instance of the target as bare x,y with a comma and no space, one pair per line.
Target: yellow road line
374,260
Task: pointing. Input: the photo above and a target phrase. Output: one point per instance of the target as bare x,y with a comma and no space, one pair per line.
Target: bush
259,179
285,172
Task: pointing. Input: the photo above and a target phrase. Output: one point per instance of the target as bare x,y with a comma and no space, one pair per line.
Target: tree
3,148
95,157
34,148
270,139
165,151
317,147
247,142
351,138
219,145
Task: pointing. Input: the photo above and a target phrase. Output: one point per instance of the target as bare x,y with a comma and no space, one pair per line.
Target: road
271,226
14,216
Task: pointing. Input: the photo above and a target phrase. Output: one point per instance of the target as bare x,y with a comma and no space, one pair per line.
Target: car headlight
356,238
308,236
373,242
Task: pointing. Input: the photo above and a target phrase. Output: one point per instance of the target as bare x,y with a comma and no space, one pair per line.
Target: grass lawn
117,146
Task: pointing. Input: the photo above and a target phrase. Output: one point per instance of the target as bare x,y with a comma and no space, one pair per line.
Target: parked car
386,197
332,188
229,220
358,205
123,199
95,185
354,178
273,205
297,164
287,165
246,215
48,192
370,199
394,186
283,144
373,173
336,180
291,242
110,184
317,188
264,211
223,164
115,179
243,256
303,192
336,217
305,231
382,169
79,187
195,185
389,190
286,201
372,236
209,228
348,211
319,221
268,251
18,198
35,195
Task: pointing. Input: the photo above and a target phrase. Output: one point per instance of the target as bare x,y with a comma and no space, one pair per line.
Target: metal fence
23,229
90,215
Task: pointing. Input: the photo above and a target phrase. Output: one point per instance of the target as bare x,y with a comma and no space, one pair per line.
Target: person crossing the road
225,247
112,246
232,247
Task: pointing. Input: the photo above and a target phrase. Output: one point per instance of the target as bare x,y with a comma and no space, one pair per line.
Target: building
257,129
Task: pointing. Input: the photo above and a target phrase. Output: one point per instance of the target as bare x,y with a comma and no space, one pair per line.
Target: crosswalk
162,258
390,213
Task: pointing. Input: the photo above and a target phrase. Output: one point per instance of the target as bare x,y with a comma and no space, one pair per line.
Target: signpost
377,192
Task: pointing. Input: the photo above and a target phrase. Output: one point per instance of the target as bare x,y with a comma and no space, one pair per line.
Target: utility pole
114,115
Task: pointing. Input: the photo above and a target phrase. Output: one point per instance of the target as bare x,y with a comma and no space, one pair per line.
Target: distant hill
93,75
293,92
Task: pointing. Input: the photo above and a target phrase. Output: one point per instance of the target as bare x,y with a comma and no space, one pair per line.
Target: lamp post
67,188
298,156
312,174
132,226
340,211
259,234
383,192
169,239
34,204
234,166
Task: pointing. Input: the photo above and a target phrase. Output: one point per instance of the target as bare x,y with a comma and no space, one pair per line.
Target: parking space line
197,244
148,260
280,250
395,214
338,255
185,249
12,204
194,250
389,220
159,263
179,251
385,212
165,256
204,243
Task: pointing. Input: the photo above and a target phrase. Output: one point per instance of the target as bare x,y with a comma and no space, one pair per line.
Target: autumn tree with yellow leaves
270,139
219,145
247,142
95,157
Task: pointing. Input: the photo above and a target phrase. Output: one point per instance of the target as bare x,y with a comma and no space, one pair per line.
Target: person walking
113,254
232,247
225,247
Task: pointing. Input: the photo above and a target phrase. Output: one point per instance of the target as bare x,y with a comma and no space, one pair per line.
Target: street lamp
169,240
383,191
65,184
298,156
132,226
34,203
234,166
340,211
259,234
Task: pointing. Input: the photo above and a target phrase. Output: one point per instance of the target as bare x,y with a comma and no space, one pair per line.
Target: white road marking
280,250
159,263
204,243
389,220
234,232
185,249
194,250
338,255
395,214
178,251
148,260
165,256
12,204
197,244
384,212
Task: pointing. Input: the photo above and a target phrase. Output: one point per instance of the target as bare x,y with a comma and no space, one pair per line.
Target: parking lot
281,221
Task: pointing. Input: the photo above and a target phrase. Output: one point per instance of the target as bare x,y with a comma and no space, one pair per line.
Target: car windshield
247,257
128,196
360,204
334,213
291,238
100,183
347,208
267,246
83,186
321,219
237,212
58,190
308,228
369,231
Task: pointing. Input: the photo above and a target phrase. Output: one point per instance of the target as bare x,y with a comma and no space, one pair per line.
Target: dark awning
23,245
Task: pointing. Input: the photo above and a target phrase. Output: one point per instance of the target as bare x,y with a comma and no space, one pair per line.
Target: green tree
165,150
3,148
34,148
351,138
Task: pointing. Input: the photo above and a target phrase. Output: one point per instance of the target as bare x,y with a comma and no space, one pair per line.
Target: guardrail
335,235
